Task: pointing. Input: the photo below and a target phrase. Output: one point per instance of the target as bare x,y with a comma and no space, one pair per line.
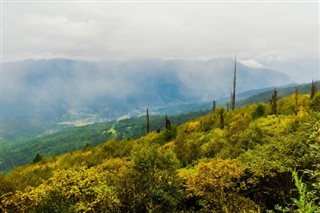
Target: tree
37,158
313,89
259,112
213,105
273,102
296,101
148,122
221,111
233,94
315,103
213,184
156,184
168,123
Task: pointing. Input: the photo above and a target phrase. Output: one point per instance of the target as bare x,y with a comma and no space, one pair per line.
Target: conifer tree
37,158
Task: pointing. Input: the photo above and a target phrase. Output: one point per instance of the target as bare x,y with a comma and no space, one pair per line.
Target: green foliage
214,184
259,112
71,139
246,166
154,177
72,190
37,158
305,202
315,103
166,135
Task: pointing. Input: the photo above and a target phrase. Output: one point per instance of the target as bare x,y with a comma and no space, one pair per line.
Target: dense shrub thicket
255,162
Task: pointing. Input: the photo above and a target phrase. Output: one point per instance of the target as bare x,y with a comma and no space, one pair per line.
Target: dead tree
313,89
168,123
221,118
148,122
213,106
273,102
228,106
296,99
233,94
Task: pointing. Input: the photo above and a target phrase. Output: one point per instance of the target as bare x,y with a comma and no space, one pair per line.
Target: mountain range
51,92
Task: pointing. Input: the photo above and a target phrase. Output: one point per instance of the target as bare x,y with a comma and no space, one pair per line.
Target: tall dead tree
233,94
221,118
148,122
168,123
213,106
273,102
313,89
296,99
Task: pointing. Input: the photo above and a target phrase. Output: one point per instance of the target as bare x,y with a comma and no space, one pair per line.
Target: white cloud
251,63
253,30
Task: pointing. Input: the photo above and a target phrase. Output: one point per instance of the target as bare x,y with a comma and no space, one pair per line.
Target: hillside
241,161
19,152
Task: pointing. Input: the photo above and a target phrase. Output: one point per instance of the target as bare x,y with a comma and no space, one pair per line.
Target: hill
57,92
244,160
19,152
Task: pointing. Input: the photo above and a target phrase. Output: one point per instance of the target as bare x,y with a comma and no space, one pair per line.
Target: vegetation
257,162
17,153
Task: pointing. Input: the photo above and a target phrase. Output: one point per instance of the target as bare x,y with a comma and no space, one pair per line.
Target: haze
282,36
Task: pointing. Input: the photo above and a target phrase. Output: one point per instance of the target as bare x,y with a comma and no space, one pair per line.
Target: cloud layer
108,30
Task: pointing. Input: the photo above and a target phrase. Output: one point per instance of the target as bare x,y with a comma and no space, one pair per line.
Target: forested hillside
247,160
17,153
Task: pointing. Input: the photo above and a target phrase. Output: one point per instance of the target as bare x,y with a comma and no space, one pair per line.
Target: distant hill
61,91
74,138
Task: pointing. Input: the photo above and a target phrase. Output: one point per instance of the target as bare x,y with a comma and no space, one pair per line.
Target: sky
278,35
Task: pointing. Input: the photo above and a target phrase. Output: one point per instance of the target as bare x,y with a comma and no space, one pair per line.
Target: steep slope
245,163
22,152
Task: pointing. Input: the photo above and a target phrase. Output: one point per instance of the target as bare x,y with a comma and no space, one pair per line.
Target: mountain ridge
52,86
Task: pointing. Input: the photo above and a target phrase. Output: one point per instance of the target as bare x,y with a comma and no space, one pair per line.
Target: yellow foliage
193,126
82,189
214,175
214,183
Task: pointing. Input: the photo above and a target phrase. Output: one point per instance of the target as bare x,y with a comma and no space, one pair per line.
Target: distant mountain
60,90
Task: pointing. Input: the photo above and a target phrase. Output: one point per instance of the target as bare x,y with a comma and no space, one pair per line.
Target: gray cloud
264,32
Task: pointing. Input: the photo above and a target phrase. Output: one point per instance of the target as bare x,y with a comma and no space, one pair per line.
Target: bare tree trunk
148,122
296,99
168,123
313,89
233,94
273,102
221,119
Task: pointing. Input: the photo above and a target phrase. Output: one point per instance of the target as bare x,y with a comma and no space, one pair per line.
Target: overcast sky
260,33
